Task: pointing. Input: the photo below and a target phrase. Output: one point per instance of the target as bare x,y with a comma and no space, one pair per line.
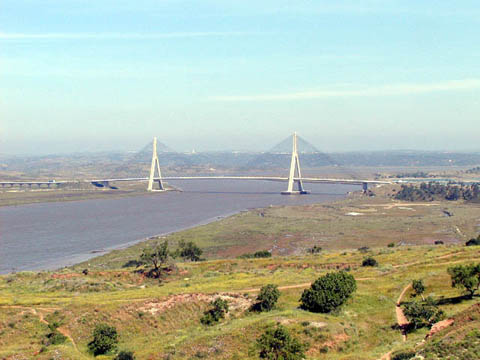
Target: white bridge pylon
295,175
155,166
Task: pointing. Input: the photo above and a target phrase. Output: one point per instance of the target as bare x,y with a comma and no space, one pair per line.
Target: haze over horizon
238,75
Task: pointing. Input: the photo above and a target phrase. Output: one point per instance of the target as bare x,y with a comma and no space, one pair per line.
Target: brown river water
52,235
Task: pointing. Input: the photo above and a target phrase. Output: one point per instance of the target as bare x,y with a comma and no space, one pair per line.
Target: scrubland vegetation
152,302
435,191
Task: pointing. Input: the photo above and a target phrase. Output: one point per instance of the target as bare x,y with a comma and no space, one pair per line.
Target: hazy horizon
216,75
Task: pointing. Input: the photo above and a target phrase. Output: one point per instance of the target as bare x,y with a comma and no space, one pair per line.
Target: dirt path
38,313
423,261
387,356
294,286
402,320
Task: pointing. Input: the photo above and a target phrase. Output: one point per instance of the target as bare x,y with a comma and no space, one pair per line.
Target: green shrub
277,344
125,355
473,242
418,287
267,298
369,261
256,255
155,257
105,339
423,314
465,276
55,338
217,312
391,245
403,355
328,292
189,251
314,250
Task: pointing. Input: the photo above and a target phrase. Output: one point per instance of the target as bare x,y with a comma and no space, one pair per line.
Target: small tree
465,276
369,261
364,249
418,287
156,257
423,314
277,344
105,339
403,355
125,355
267,298
217,312
54,337
328,292
314,250
473,242
189,251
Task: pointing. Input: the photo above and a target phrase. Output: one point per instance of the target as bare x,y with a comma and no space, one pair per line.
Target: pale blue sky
84,75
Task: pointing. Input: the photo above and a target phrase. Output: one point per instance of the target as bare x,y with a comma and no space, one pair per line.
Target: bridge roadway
167,178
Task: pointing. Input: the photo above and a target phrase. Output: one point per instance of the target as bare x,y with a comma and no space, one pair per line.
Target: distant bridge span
295,177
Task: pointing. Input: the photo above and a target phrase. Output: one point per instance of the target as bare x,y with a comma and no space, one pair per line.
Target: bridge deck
167,178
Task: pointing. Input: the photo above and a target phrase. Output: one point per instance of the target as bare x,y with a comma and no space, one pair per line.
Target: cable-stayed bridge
293,180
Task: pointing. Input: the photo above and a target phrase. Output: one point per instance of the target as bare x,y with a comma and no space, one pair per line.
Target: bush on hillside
217,312
473,242
105,339
403,355
189,251
314,250
423,314
125,355
267,298
54,337
466,277
277,344
328,292
369,261
390,245
418,287
155,257
256,255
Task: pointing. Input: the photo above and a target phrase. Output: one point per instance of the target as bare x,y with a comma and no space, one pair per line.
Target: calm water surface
51,235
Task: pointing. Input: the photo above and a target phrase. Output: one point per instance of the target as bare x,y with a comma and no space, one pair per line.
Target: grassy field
155,320
160,320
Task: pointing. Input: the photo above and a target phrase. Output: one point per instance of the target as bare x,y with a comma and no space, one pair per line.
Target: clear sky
85,75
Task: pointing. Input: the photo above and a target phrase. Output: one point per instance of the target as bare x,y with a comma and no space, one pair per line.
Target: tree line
435,191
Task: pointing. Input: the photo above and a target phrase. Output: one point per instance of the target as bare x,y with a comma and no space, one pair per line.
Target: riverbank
20,196
57,233
165,314
354,222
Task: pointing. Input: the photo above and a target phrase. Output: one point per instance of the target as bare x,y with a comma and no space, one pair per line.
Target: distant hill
285,146
146,152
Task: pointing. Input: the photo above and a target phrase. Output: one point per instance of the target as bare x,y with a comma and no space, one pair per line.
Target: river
51,235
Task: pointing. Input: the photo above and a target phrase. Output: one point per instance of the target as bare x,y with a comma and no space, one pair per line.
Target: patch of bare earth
439,326
236,302
332,343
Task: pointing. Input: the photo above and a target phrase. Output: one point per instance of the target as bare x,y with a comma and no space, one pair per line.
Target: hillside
160,320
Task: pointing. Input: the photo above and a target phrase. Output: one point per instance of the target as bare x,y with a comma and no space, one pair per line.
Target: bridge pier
295,168
365,187
155,166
